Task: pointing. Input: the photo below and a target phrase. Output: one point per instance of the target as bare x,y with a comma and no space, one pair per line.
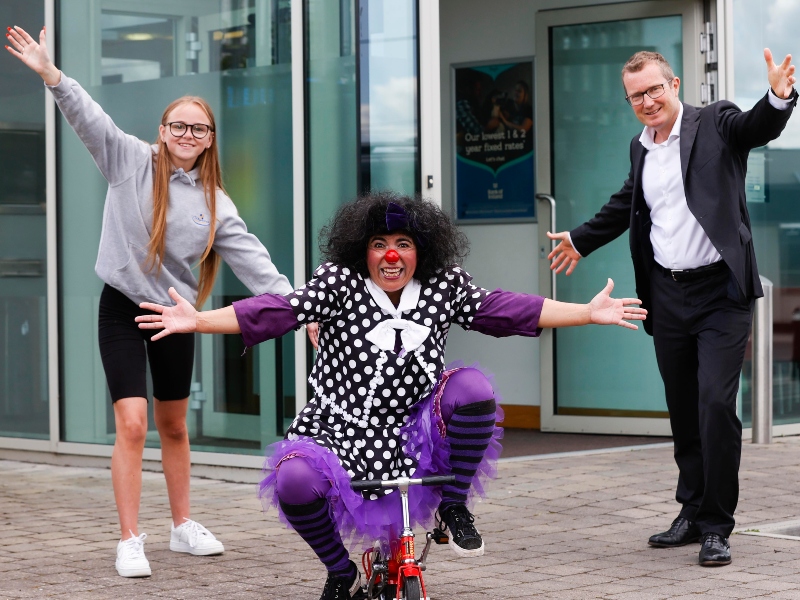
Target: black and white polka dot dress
375,361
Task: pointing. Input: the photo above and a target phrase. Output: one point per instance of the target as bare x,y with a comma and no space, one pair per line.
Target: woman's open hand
181,318
33,54
605,310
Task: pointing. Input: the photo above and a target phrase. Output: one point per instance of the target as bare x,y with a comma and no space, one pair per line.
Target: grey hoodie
127,164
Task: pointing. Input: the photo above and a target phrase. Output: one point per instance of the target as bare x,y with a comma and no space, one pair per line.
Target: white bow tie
411,335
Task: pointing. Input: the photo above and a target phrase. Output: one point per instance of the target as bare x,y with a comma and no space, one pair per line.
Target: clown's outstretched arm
509,313
184,318
258,319
602,310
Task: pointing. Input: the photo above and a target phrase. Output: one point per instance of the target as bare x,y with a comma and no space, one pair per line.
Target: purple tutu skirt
360,521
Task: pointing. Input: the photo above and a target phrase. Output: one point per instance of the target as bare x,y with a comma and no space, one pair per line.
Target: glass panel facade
362,111
24,407
772,192
389,98
589,112
134,59
332,125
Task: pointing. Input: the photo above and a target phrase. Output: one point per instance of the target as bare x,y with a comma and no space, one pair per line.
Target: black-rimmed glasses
199,130
654,92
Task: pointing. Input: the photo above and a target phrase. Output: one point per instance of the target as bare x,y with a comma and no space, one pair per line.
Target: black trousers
700,336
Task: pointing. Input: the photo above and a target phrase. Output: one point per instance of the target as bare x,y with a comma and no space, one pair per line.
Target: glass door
24,405
603,380
134,61
772,192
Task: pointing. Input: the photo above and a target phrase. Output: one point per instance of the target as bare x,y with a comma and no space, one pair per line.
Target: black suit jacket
714,144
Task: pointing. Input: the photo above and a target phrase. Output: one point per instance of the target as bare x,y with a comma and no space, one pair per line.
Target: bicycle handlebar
374,484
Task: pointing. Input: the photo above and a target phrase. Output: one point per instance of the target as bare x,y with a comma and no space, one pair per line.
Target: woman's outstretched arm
34,55
116,153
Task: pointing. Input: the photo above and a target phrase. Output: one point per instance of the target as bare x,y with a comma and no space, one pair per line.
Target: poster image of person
494,141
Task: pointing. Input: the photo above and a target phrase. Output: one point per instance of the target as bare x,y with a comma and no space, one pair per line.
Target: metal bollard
762,366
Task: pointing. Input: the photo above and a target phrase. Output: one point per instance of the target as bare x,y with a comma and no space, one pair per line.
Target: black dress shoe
716,551
681,532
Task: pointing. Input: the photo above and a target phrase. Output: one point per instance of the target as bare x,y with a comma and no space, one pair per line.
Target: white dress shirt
679,242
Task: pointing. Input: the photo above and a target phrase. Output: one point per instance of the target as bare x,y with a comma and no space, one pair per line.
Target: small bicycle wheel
412,589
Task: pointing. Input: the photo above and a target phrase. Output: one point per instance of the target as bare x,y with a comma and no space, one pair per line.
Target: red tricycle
391,566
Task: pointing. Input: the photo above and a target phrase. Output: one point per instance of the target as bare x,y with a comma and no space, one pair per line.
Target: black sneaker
464,538
343,587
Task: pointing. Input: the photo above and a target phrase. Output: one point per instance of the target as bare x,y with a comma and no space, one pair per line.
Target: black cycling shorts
122,348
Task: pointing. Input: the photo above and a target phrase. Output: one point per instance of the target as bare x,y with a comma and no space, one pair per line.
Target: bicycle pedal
439,536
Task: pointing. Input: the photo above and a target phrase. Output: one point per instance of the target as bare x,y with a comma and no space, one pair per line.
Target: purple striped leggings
299,483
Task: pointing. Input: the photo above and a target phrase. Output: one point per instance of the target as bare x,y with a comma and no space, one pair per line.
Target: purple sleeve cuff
264,317
508,313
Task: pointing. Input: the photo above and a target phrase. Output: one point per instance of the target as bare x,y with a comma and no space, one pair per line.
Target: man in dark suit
696,274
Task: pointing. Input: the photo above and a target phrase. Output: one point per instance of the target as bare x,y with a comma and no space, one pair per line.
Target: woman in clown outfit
384,404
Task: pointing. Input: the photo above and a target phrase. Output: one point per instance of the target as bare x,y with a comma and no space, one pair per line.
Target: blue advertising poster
494,141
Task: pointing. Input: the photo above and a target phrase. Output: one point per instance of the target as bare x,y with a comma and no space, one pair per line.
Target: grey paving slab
566,527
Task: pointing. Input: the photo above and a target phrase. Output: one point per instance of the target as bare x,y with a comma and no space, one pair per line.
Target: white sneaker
131,561
195,539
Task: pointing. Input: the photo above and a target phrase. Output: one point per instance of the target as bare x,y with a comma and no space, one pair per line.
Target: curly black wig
439,242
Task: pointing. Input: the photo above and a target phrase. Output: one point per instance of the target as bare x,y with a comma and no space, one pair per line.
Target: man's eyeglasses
199,130
654,92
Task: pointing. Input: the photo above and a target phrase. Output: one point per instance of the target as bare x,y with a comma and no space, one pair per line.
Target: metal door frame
691,12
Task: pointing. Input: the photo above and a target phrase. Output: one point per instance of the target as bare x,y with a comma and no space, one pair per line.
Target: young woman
384,405
165,211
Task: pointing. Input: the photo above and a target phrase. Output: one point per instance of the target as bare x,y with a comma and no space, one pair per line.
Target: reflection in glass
592,130
24,407
332,126
388,95
233,47
367,137
136,47
234,54
22,154
773,187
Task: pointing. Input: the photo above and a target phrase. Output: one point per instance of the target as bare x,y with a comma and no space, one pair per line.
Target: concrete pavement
568,527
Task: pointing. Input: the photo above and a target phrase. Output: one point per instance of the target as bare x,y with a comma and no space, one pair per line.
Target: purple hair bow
397,218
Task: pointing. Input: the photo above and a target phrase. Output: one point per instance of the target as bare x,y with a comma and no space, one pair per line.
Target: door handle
552,202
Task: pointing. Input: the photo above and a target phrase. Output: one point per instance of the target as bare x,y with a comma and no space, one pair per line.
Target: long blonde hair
211,178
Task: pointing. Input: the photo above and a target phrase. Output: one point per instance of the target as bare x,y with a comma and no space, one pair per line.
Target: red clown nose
392,256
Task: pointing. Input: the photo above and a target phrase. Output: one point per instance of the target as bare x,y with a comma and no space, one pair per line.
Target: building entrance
602,380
